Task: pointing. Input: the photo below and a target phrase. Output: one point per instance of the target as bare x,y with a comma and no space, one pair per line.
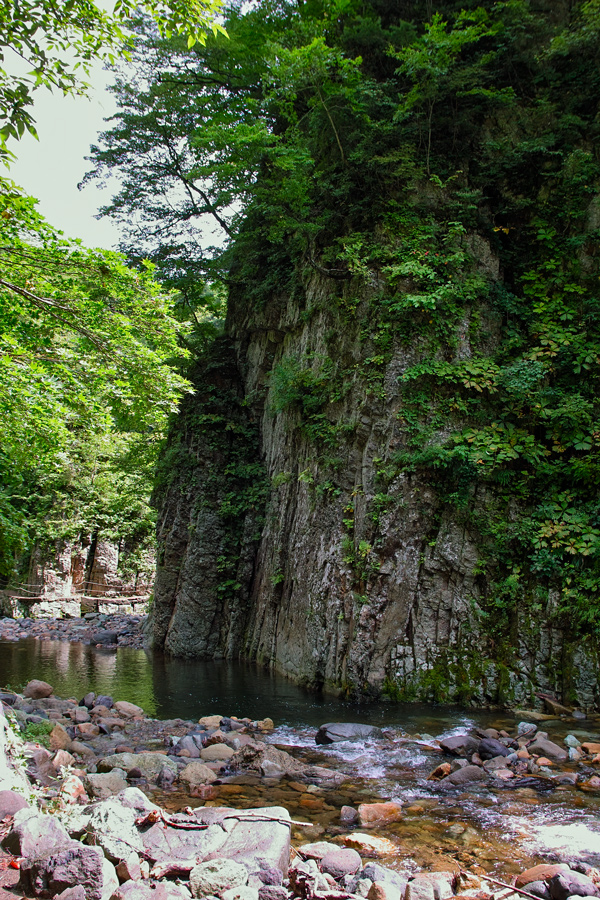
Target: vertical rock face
347,573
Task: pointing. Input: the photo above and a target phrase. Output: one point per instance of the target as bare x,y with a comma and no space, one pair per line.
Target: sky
51,168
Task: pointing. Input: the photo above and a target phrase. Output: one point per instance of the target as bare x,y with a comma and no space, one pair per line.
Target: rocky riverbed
118,630
119,805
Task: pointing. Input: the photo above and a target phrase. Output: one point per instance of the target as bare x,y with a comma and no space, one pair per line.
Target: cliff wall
290,534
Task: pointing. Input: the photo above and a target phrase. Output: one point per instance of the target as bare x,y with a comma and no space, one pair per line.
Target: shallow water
499,829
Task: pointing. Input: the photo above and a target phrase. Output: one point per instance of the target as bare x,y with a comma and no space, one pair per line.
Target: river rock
243,892
220,752
149,763
465,775
539,889
216,875
59,739
459,745
333,732
48,874
569,883
72,790
317,850
267,761
430,886
542,872
373,814
591,747
129,868
111,823
383,890
381,874
34,833
128,710
340,862
106,784
197,773
73,893
37,690
490,748
369,845
348,815
104,637
543,747
11,803
135,890
254,841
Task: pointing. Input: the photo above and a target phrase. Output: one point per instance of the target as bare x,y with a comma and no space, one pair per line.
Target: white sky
51,168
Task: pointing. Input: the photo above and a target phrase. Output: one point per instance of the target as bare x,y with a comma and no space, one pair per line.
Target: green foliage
59,42
37,732
85,392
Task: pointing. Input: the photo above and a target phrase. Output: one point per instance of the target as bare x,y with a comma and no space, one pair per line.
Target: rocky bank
122,806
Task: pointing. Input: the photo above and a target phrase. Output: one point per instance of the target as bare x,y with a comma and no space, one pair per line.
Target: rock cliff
288,534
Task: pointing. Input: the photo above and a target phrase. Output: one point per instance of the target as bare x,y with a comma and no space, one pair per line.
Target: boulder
571,884
104,700
591,747
333,732
542,872
48,874
489,748
220,752
111,823
11,803
459,745
34,833
383,890
465,775
374,814
128,710
104,637
37,690
149,764
259,838
377,873
73,893
60,738
104,785
217,875
317,850
430,886
340,862
539,889
543,747
197,773
369,845
244,892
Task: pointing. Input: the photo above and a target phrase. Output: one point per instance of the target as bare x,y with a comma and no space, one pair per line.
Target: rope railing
74,589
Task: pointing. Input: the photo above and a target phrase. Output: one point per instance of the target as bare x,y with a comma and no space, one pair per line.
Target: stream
499,829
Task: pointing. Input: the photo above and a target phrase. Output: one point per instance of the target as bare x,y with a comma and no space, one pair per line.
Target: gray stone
272,892
569,883
466,775
544,747
49,874
150,764
255,841
341,862
459,745
34,833
217,875
345,731
376,872
106,785
73,893
197,772
540,889
571,741
111,823
489,748
244,892
10,803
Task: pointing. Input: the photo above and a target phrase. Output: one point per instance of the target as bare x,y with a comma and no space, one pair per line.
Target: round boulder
38,690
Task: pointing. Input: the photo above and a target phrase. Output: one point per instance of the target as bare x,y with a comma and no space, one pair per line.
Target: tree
57,42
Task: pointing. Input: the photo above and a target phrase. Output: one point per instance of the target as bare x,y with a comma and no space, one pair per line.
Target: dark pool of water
169,688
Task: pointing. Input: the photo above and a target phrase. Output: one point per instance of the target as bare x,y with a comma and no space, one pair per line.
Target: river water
500,829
